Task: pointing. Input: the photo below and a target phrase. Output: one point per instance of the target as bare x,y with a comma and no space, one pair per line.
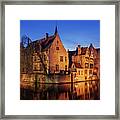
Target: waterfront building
48,56
84,62
43,56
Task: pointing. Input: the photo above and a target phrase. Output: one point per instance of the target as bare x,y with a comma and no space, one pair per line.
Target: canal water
80,90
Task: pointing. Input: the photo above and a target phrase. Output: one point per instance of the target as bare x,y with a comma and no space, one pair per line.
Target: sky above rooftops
71,32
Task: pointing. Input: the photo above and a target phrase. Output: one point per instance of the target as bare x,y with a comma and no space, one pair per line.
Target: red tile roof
46,42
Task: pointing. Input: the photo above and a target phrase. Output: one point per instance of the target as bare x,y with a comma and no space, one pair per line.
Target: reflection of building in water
84,62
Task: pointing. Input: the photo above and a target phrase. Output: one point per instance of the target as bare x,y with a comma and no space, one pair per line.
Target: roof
46,42
43,43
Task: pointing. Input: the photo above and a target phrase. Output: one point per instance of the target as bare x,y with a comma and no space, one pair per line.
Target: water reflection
88,90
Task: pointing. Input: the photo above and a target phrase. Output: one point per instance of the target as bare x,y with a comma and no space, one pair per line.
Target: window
86,65
65,59
57,67
90,72
87,59
91,65
61,58
81,72
91,59
57,41
85,71
65,67
57,48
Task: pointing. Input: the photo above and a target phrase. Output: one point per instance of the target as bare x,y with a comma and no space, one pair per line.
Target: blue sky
71,32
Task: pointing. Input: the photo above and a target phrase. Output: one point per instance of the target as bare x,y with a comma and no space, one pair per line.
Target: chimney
79,46
79,50
46,35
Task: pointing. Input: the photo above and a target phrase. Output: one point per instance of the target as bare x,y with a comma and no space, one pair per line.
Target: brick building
84,62
46,55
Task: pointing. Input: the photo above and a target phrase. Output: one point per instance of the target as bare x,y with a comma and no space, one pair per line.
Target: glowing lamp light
95,70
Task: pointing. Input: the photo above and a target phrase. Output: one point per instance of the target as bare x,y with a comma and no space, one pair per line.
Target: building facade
45,56
84,62
48,56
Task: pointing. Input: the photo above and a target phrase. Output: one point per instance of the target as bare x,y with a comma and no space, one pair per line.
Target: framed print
60,60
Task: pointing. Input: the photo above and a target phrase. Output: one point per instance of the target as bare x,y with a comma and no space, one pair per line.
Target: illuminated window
86,65
57,48
61,58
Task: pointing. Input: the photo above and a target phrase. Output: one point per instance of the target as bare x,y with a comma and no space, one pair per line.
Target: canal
79,90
